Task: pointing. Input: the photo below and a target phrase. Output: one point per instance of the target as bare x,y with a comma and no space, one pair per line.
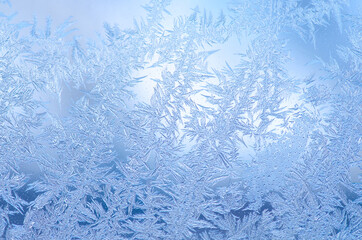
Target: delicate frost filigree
241,151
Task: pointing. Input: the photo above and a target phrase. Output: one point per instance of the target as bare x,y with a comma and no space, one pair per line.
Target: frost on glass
238,151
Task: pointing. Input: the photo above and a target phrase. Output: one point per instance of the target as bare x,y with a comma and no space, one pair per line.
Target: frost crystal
246,150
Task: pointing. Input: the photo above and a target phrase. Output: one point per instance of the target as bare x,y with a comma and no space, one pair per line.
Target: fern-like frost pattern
246,150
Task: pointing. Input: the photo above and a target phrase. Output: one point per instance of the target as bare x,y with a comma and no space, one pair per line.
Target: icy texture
82,158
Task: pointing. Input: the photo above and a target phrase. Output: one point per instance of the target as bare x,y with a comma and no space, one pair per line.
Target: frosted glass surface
177,119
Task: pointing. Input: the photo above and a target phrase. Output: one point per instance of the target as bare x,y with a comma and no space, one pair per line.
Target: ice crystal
239,151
